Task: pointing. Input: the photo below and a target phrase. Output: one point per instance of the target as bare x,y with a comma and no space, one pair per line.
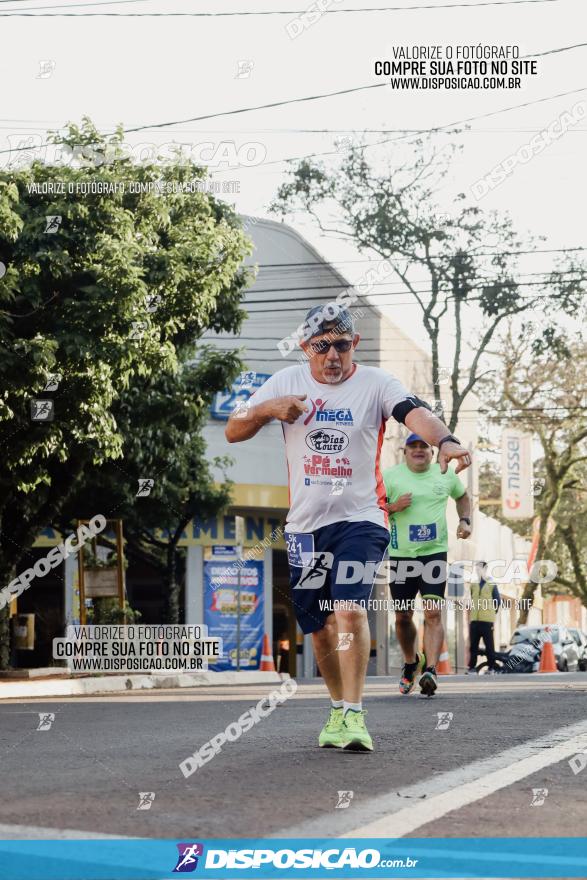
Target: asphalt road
474,776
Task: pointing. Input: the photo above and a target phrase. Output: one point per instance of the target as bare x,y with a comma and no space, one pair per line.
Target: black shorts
425,575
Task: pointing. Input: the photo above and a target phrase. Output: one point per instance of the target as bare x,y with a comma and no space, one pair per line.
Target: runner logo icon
187,860
315,570
317,405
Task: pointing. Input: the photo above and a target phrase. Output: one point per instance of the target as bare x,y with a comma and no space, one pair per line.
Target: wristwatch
449,438
465,519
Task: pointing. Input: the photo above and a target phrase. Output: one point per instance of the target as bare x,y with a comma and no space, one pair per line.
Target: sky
148,70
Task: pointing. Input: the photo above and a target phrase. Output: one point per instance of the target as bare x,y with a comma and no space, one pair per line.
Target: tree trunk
6,575
580,590
172,586
531,587
4,638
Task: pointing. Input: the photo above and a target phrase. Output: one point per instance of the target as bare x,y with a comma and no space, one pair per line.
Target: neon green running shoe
331,735
356,735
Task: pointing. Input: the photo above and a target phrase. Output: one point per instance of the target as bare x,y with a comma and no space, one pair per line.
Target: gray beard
331,379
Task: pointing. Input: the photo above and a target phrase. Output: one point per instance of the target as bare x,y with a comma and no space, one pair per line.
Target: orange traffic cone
443,666
267,664
547,658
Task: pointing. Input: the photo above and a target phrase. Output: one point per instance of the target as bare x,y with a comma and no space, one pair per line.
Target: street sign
223,550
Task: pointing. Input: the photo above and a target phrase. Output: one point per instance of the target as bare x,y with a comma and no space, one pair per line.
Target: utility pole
239,525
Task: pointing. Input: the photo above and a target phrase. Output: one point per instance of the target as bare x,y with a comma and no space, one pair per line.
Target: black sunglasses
341,345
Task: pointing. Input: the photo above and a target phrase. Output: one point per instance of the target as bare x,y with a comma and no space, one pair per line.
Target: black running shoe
428,682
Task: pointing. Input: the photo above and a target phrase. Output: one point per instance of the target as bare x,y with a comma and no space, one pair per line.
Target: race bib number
300,548
423,533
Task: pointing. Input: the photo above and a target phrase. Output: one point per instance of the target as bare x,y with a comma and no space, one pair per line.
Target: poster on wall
220,611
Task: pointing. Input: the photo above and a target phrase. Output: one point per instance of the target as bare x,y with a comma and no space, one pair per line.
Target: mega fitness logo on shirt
342,416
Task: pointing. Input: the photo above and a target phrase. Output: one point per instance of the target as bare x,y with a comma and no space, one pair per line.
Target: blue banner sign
221,580
228,859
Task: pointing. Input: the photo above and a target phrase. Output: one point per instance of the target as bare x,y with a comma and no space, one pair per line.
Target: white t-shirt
333,450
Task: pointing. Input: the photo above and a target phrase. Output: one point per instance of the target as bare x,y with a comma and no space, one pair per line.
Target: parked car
581,642
566,652
522,657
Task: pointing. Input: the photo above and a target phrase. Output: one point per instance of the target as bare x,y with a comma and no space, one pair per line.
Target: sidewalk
63,686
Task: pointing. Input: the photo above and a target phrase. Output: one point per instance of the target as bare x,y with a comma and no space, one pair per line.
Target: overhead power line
269,106
41,13
19,4
484,282
555,51
289,131
478,254
320,97
399,283
429,130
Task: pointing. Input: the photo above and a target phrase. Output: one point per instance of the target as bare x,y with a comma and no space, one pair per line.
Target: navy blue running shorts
336,562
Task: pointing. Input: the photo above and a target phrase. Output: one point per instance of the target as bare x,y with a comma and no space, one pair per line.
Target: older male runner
333,414
418,493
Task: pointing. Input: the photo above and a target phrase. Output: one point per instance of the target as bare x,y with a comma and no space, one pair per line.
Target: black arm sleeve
401,409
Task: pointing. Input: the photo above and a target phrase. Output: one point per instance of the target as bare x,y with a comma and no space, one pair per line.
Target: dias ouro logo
327,441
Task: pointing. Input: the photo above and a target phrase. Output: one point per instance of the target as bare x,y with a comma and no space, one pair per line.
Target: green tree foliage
160,419
544,392
78,303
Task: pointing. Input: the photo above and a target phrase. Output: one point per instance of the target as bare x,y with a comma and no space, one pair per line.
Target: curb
124,683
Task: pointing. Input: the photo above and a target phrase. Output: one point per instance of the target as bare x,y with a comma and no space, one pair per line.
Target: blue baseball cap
413,438
327,317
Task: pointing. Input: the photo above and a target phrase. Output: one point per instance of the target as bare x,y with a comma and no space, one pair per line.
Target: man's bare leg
354,660
407,634
433,636
325,642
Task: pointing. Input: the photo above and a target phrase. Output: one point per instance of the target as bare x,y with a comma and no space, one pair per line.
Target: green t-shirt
420,529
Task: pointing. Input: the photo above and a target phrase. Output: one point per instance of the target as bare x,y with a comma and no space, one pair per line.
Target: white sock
337,704
356,707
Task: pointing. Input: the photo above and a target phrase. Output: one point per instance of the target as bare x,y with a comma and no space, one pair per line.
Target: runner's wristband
465,519
449,438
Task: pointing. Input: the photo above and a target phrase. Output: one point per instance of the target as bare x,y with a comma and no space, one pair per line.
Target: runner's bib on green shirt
420,529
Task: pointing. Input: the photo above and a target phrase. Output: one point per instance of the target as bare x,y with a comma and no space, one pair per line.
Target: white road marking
388,816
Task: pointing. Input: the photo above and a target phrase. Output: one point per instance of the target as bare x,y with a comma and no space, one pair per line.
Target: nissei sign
242,388
517,497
